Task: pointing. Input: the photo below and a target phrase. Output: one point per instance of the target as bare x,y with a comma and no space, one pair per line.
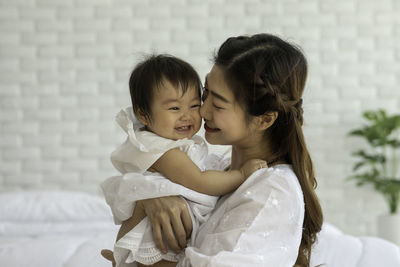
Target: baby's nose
186,116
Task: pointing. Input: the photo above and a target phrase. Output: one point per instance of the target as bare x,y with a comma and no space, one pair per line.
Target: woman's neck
240,154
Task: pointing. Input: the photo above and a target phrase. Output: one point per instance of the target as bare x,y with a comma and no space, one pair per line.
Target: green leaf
359,132
382,133
370,158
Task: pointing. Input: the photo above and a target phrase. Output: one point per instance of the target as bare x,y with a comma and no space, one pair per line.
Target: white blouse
260,224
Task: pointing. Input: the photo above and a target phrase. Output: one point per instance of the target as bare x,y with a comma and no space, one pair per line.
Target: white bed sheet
69,229
49,250
336,249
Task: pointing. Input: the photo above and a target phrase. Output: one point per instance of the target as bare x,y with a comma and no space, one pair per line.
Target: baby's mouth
185,128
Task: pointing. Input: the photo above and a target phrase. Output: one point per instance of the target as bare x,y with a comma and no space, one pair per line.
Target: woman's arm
258,229
179,168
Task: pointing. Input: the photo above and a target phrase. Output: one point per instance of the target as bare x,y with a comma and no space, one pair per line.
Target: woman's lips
210,130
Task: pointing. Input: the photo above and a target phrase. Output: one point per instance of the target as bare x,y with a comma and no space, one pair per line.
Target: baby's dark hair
150,74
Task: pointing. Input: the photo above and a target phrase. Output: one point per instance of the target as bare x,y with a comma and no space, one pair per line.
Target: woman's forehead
217,85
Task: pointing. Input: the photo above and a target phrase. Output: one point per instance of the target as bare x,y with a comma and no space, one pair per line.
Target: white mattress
336,249
54,229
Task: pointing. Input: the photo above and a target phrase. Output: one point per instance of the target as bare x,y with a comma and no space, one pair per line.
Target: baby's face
173,115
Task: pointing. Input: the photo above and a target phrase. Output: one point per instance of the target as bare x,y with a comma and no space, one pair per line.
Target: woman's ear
142,117
266,120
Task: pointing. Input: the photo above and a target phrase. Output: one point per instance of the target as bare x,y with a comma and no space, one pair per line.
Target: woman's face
224,118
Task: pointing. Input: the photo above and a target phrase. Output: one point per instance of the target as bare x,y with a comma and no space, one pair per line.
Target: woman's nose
205,109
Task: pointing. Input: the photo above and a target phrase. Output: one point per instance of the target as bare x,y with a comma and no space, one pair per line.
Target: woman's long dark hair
268,74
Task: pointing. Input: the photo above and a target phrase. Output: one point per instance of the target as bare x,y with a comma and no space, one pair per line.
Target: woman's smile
209,129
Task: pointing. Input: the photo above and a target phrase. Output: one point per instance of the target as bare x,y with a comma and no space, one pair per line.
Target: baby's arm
179,168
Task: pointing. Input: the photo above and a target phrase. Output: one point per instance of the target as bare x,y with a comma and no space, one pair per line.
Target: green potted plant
378,165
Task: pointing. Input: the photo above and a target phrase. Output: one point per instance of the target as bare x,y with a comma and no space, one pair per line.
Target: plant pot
389,228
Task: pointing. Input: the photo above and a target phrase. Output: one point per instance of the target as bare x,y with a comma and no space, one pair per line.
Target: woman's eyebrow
220,97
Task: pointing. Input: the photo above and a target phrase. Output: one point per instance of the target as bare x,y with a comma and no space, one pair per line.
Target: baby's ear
266,120
142,117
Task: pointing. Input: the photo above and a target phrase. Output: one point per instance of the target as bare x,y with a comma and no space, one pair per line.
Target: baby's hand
251,166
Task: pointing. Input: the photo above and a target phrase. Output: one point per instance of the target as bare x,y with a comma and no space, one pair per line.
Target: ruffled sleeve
141,148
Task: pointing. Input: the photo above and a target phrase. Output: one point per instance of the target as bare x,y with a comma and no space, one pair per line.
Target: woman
253,102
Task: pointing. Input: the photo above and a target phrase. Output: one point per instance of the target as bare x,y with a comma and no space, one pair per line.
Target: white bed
54,229
68,229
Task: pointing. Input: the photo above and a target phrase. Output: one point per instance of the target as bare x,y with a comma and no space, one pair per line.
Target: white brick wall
64,67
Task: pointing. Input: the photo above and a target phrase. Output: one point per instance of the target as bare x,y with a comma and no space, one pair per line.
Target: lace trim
148,253
144,252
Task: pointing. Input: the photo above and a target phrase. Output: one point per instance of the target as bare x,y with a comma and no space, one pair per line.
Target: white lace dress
140,150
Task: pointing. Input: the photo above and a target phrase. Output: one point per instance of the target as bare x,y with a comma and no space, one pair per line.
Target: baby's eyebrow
195,98
168,101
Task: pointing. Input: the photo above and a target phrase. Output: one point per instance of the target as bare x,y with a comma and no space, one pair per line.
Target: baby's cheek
197,118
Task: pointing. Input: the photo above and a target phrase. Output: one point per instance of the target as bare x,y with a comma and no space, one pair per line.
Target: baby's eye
173,108
195,106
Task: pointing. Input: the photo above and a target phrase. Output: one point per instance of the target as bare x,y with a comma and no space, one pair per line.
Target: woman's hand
169,217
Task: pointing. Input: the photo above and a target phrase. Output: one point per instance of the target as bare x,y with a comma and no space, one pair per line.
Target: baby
161,143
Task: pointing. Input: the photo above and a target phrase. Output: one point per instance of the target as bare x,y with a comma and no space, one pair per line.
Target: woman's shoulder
270,195
282,174
278,181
